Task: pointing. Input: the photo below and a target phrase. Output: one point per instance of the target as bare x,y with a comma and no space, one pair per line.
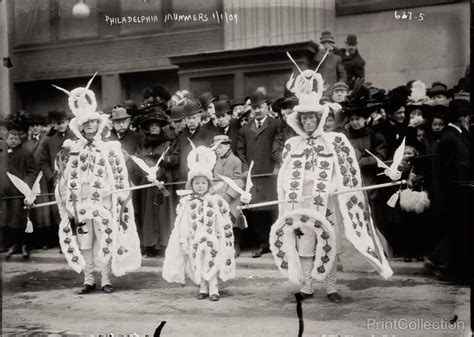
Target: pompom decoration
413,201
418,93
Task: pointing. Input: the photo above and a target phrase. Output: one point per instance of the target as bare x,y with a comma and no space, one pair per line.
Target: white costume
105,236
203,225
305,239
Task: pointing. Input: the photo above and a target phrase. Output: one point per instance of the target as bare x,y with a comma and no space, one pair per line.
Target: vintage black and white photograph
236,168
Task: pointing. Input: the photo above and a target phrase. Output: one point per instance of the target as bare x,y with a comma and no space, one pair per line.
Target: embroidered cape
328,160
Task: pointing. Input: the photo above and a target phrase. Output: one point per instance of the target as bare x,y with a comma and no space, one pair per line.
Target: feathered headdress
308,99
83,105
201,161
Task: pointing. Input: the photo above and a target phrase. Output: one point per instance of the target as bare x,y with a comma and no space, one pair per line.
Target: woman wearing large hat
155,207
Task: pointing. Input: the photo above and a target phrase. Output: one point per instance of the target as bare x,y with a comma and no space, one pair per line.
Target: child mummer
202,243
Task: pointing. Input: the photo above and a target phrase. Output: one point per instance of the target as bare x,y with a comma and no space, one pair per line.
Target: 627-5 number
408,16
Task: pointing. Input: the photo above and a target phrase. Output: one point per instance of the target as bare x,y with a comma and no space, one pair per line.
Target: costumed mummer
305,239
97,228
202,242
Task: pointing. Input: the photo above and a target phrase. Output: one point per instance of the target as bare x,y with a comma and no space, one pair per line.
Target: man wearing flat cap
228,165
226,125
354,64
451,258
332,69
255,144
194,132
129,139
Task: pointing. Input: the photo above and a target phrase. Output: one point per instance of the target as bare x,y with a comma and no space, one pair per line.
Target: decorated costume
305,238
97,225
201,244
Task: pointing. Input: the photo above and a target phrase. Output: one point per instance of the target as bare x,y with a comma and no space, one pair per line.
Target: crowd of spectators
429,220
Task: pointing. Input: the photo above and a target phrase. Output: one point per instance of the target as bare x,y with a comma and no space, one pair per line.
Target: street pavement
38,299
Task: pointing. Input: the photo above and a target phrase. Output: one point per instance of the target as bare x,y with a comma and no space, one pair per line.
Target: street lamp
81,10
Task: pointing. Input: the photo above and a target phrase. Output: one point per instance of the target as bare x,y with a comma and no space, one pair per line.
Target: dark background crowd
428,221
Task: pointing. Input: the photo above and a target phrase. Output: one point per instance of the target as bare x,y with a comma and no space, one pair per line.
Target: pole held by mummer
366,188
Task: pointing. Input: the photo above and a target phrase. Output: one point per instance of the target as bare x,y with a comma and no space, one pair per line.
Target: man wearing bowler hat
255,144
194,132
353,62
206,101
226,124
332,69
129,139
177,123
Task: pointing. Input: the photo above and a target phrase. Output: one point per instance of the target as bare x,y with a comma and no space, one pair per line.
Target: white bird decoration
29,193
245,196
392,171
151,171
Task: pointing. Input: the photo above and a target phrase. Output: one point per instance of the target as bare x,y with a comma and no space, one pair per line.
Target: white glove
245,198
27,203
156,182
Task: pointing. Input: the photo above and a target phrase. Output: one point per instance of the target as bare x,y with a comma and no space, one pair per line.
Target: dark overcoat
130,141
20,164
42,216
256,144
156,210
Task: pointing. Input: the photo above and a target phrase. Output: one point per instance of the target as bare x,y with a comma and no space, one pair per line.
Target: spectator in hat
229,165
13,219
177,123
156,207
245,115
339,92
439,94
354,64
195,132
363,137
394,127
208,121
42,218
49,151
255,144
129,139
332,69
284,106
52,145
451,258
225,123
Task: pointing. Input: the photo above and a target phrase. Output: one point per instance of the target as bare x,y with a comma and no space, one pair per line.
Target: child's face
200,185
420,135
437,125
329,126
357,122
